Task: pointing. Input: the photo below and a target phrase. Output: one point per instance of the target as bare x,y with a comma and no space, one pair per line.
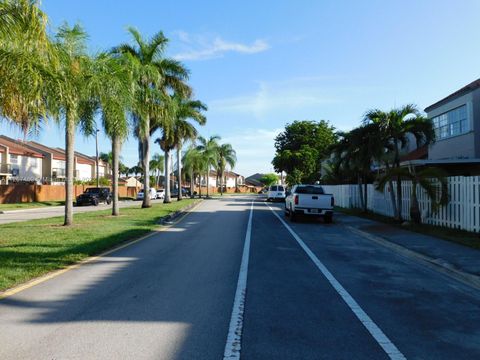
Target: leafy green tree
396,125
225,156
300,149
432,180
269,179
208,148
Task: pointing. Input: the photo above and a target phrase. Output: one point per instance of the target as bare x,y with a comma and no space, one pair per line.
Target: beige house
19,163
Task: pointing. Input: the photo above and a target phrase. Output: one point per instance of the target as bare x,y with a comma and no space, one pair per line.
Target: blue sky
261,64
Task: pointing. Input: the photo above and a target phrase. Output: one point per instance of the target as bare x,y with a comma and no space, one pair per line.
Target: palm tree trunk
179,171
146,172
365,194
208,181
200,185
192,187
70,152
115,160
167,177
399,183
360,188
221,183
392,193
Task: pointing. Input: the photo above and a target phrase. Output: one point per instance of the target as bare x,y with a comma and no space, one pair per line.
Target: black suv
93,196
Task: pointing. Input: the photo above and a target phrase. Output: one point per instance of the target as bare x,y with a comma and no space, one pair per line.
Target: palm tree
156,75
115,96
396,125
74,103
209,150
183,130
166,143
194,163
356,151
156,166
432,180
225,156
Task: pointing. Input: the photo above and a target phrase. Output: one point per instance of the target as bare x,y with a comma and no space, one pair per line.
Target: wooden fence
462,211
10,194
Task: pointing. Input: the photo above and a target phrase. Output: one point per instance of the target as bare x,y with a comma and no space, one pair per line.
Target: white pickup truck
309,200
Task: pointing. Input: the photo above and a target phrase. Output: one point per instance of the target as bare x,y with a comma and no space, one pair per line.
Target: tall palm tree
74,103
183,130
167,144
396,125
156,75
209,150
225,156
194,163
432,180
115,90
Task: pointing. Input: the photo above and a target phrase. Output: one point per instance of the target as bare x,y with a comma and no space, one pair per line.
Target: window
13,159
451,123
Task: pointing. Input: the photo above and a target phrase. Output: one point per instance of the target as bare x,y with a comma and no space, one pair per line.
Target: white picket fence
462,211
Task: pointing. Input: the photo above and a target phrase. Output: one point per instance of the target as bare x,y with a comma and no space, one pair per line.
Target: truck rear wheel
293,216
328,219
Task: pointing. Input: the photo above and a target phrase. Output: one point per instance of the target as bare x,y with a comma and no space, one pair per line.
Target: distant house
254,180
132,181
19,163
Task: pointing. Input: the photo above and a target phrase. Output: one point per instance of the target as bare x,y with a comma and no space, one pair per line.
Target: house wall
58,164
29,168
84,171
461,146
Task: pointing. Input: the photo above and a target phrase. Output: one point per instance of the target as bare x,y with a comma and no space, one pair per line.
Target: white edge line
390,349
234,337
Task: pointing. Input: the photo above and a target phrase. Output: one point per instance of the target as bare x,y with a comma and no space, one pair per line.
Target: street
235,278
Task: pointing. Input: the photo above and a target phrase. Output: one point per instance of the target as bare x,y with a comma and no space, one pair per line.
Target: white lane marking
234,337
390,349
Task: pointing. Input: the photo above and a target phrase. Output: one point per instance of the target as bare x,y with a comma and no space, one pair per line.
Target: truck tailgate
315,201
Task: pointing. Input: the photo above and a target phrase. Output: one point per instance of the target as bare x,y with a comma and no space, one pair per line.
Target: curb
437,264
169,218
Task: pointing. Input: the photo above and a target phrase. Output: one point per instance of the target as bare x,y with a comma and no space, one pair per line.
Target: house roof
84,159
464,90
58,154
417,154
17,147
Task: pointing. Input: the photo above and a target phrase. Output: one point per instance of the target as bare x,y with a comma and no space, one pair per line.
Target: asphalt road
308,291
48,212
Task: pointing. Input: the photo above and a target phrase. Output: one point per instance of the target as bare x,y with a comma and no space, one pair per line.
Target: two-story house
19,163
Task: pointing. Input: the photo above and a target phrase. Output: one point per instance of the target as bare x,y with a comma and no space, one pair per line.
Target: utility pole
96,143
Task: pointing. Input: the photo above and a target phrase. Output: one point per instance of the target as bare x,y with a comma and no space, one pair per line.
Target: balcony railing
5,169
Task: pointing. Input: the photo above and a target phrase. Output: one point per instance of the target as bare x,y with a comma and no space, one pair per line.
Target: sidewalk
448,255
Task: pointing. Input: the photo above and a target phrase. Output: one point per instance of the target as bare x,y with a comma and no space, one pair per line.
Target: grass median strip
30,205
33,248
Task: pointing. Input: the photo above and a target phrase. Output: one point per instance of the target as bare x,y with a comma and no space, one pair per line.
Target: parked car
94,196
153,194
160,194
185,193
276,193
309,200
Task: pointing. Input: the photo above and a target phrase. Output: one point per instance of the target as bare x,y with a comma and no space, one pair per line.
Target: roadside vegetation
40,246
133,88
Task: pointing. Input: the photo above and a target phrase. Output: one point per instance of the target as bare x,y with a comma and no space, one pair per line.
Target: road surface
232,278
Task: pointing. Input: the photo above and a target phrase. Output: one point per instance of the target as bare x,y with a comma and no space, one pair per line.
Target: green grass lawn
33,248
462,237
30,205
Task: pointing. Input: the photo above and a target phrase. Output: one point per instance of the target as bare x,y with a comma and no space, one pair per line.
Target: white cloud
201,47
293,94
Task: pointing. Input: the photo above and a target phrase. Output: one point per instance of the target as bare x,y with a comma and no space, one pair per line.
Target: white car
153,194
276,192
160,194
